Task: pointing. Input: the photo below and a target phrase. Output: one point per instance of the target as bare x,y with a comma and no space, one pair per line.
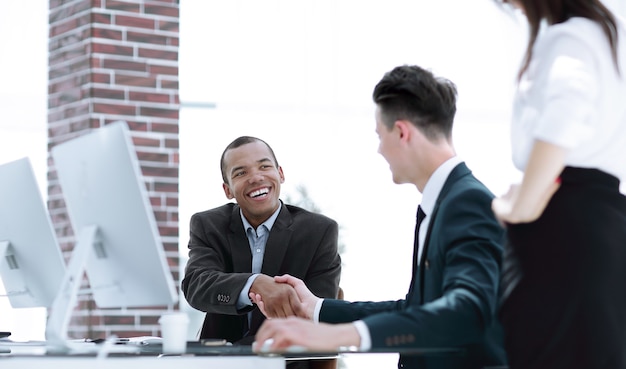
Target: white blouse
572,96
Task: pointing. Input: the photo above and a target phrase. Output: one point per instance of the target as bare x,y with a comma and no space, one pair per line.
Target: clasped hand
294,333
283,296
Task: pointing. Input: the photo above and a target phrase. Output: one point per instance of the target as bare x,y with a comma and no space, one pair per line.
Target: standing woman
564,274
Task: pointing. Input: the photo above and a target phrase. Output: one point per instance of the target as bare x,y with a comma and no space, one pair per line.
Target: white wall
23,127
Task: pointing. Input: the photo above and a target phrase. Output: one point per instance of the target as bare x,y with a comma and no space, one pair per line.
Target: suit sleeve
210,285
336,311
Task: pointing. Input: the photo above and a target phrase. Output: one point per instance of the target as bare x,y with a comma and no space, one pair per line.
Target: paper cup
174,332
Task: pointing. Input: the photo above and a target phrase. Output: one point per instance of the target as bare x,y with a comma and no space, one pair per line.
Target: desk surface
187,362
33,355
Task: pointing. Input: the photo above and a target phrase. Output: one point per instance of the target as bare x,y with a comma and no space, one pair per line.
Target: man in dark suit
237,249
453,293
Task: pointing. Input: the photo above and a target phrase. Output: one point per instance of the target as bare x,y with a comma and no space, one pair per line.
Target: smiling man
237,248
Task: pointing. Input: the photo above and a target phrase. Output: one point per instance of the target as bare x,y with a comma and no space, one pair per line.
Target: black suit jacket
301,243
453,296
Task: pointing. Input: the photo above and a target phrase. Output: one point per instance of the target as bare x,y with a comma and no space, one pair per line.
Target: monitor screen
31,262
104,192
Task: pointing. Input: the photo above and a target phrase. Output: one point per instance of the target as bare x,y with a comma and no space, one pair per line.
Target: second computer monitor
103,190
31,263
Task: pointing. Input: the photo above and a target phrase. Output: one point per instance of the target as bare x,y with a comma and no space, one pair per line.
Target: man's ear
281,174
227,191
404,129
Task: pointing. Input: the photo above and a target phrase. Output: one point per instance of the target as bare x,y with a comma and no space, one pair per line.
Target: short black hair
412,93
240,141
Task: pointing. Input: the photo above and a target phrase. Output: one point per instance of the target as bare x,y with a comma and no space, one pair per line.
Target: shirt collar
269,223
435,184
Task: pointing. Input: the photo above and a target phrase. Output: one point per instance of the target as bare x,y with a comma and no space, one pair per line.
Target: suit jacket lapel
239,244
459,171
277,243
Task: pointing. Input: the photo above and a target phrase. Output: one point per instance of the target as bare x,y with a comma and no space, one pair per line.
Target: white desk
190,362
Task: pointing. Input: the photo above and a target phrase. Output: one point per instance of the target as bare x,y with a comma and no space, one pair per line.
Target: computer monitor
31,262
118,244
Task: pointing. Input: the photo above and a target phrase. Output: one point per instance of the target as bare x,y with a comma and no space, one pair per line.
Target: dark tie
416,242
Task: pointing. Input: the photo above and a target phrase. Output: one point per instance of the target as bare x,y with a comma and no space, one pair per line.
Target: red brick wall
115,60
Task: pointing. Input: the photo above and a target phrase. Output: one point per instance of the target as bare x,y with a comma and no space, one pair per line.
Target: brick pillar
115,60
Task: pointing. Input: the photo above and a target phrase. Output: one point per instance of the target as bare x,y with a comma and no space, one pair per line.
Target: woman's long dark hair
559,11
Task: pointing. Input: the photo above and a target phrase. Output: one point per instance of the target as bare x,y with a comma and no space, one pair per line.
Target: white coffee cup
174,332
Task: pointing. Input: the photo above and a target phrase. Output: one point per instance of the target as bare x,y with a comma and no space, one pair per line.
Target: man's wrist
244,296
364,334
349,337
315,316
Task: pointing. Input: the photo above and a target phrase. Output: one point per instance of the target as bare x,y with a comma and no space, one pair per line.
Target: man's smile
260,192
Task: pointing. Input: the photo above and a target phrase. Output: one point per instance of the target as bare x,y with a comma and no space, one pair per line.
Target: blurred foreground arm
311,336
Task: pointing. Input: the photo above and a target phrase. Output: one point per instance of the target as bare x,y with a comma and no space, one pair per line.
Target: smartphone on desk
209,342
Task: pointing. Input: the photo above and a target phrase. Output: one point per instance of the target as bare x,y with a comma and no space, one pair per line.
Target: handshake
290,307
282,297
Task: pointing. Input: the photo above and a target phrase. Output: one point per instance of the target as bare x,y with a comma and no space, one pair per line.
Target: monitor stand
63,305
13,275
65,300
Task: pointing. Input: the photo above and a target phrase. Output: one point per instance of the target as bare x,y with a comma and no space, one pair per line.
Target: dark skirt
564,279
